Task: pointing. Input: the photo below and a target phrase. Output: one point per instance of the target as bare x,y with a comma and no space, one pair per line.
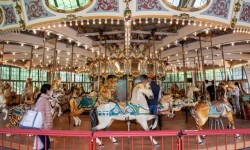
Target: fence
167,139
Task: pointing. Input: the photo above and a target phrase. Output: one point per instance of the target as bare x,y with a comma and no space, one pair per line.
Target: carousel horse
57,85
165,106
3,102
179,103
174,89
56,108
7,94
74,109
136,110
218,108
36,92
27,91
16,113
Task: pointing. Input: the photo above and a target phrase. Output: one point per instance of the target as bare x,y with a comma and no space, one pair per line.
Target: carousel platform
176,123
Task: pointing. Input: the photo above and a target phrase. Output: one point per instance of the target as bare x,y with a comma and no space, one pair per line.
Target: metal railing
167,139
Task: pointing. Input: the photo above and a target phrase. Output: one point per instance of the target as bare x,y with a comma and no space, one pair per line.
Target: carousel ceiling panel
244,14
36,10
8,16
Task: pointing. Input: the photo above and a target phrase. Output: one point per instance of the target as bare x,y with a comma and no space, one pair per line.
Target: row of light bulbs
232,44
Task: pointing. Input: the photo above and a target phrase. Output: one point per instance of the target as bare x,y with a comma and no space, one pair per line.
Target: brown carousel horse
27,91
218,108
10,96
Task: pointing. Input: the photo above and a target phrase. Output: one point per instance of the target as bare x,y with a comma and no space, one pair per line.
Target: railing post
179,144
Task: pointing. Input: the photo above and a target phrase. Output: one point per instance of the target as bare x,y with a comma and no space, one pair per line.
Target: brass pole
99,69
72,62
184,66
31,59
203,69
1,63
225,73
43,63
199,69
54,62
212,52
155,72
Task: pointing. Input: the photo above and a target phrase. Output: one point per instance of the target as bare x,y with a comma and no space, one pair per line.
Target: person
211,91
43,105
152,103
236,97
207,84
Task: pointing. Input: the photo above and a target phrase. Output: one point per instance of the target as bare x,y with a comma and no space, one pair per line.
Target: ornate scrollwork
245,13
220,8
107,5
34,10
148,4
9,15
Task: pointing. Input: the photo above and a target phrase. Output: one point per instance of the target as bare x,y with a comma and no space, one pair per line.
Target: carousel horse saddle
130,109
122,106
216,105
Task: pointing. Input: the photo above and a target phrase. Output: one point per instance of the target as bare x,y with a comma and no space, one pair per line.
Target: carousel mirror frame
1,16
68,11
183,9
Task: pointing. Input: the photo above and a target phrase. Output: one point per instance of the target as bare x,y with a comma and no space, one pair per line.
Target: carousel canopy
74,35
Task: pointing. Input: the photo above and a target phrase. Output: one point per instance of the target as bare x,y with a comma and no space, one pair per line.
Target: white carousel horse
178,103
3,102
54,102
136,110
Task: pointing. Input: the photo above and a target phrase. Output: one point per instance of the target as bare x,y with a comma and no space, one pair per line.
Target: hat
151,75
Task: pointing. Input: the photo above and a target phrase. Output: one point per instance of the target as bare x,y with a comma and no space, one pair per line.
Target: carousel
100,57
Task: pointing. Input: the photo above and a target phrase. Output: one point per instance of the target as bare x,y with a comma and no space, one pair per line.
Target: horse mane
220,93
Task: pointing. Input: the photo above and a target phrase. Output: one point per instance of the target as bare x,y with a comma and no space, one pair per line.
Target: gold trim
1,16
68,11
80,18
186,9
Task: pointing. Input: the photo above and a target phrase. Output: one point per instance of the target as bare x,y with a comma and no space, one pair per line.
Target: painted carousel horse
165,106
56,108
3,101
7,94
218,108
57,85
75,110
178,103
27,91
36,92
136,110
16,113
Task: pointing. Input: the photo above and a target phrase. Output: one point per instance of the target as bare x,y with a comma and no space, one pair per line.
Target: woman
236,97
43,106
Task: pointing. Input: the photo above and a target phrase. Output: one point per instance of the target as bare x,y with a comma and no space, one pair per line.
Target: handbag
32,120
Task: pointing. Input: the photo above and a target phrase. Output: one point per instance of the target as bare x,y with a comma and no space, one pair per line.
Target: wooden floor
176,123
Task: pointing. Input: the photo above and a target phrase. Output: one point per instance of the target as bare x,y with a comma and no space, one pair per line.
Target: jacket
43,106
